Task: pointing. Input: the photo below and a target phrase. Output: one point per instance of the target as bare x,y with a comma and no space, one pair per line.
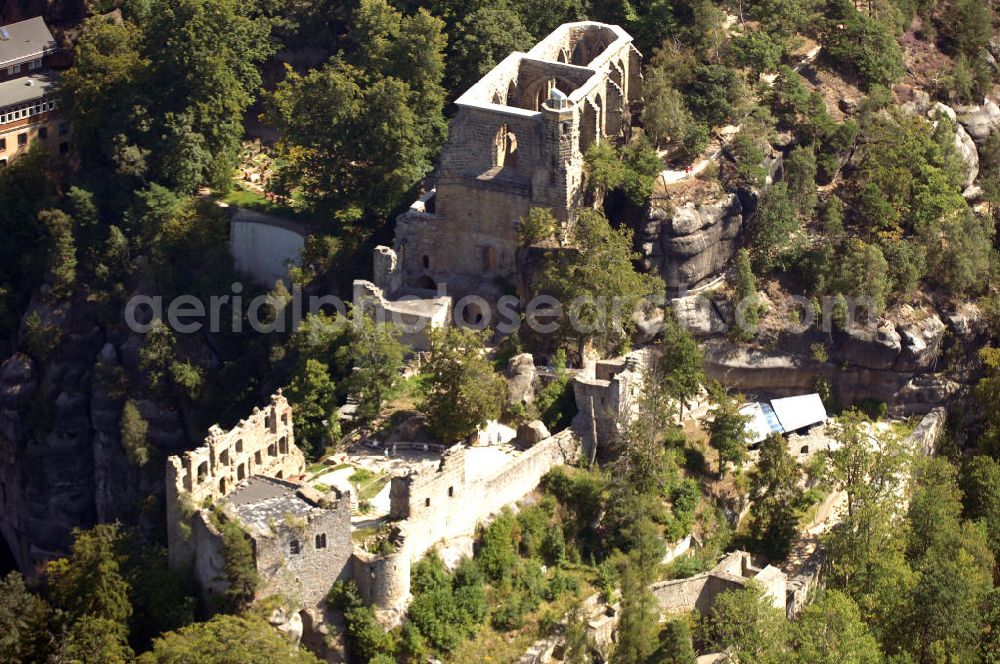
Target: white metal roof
798,412
762,421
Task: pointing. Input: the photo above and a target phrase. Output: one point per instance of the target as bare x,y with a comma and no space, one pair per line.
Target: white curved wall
264,247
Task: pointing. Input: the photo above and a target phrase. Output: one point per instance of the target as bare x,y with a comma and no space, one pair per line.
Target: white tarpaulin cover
797,412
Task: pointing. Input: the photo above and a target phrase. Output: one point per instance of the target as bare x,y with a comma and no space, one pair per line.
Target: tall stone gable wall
262,444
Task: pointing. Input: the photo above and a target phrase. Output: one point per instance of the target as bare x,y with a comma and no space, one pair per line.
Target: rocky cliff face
895,362
690,239
62,465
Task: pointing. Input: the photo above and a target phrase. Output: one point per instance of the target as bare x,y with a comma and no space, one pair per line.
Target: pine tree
747,302
61,255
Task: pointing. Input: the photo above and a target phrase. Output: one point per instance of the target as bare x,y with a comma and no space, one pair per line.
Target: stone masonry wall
440,504
262,444
324,555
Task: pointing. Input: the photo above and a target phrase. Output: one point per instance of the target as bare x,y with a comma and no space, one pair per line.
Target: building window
43,133
13,69
22,138
35,64
64,148
3,143
321,541
295,547
63,128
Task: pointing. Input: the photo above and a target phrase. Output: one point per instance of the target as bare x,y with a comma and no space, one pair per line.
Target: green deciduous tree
313,397
373,362
747,623
483,38
862,44
772,227
596,283
776,499
89,582
358,133
830,631
727,430
666,118
24,617
225,638
465,392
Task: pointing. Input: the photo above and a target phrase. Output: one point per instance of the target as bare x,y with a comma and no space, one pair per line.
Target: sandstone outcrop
521,375
689,243
980,120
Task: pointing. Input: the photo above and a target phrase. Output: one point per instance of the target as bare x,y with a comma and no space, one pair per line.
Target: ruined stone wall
439,504
510,149
382,579
605,394
262,444
324,548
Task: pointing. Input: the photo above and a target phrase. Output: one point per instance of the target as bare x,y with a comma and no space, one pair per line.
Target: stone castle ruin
302,538
518,141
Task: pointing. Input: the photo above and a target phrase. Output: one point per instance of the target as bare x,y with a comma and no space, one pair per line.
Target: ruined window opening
504,148
272,451
490,262
224,457
563,56
511,94
589,124
222,485
426,260
239,446
202,471
284,418
451,492
241,472
257,459
804,450
283,445
427,502
295,547
321,541
280,474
